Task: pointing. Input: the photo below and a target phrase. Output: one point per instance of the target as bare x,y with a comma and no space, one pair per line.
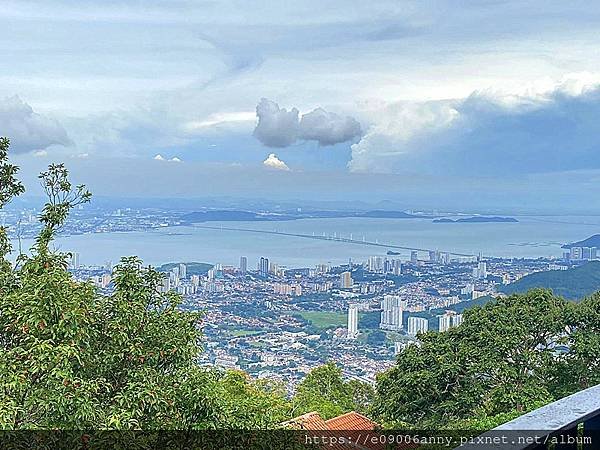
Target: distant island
592,241
250,216
477,219
572,284
382,214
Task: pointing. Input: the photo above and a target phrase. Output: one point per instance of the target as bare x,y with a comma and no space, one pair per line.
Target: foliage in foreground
507,357
71,358
325,391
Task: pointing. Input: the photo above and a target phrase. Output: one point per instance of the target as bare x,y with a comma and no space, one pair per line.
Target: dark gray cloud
28,130
278,127
328,128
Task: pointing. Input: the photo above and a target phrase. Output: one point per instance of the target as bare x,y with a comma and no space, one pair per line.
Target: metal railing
572,422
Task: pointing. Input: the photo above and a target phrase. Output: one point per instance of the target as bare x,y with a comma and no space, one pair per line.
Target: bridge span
332,238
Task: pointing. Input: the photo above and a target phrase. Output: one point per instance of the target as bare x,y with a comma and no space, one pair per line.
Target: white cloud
540,129
28,130
274,162
396,127
160,157
220,119
40,153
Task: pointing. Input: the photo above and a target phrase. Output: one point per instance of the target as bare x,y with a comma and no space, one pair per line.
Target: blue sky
372,100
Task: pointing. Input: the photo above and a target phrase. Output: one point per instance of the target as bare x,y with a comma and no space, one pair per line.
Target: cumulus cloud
278,127
28,130
273,162
328,128
487,134
160,157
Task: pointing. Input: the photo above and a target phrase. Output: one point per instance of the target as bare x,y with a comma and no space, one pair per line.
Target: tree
10,187
71,358
500,360
579,365
255,404
324,390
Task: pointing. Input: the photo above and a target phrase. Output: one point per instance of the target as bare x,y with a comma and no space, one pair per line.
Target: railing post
558,423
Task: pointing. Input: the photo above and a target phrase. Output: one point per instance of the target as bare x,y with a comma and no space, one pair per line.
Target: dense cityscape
280,322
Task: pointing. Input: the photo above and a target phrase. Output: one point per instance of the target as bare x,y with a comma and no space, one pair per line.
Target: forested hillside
572,284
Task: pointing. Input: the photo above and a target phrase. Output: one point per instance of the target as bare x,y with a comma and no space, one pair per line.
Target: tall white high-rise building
74,260
182,271
397,267
457,320
398,347
105,280
263,266
444,322
448,320
417,325
375,264
243,264
166,285
391,314
352,321
322,268
414,257
480,272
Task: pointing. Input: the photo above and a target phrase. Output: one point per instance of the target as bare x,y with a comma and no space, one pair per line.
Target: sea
530,237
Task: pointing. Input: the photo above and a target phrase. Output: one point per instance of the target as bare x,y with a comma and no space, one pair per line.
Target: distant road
330,238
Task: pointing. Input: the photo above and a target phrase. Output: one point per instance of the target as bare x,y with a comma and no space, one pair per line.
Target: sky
465,105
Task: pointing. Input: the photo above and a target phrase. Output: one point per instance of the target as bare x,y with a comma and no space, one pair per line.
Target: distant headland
592,241
477,219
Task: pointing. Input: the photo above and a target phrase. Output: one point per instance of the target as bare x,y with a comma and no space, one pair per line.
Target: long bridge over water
333,238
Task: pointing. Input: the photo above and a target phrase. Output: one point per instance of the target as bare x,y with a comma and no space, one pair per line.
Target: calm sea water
531,237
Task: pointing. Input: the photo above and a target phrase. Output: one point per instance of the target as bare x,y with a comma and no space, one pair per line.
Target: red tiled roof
351,421
308,421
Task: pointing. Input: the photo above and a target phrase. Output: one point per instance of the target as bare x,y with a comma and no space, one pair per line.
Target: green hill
572,284
192,268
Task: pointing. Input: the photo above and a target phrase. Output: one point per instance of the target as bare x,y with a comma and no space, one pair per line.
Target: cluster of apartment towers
392,309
